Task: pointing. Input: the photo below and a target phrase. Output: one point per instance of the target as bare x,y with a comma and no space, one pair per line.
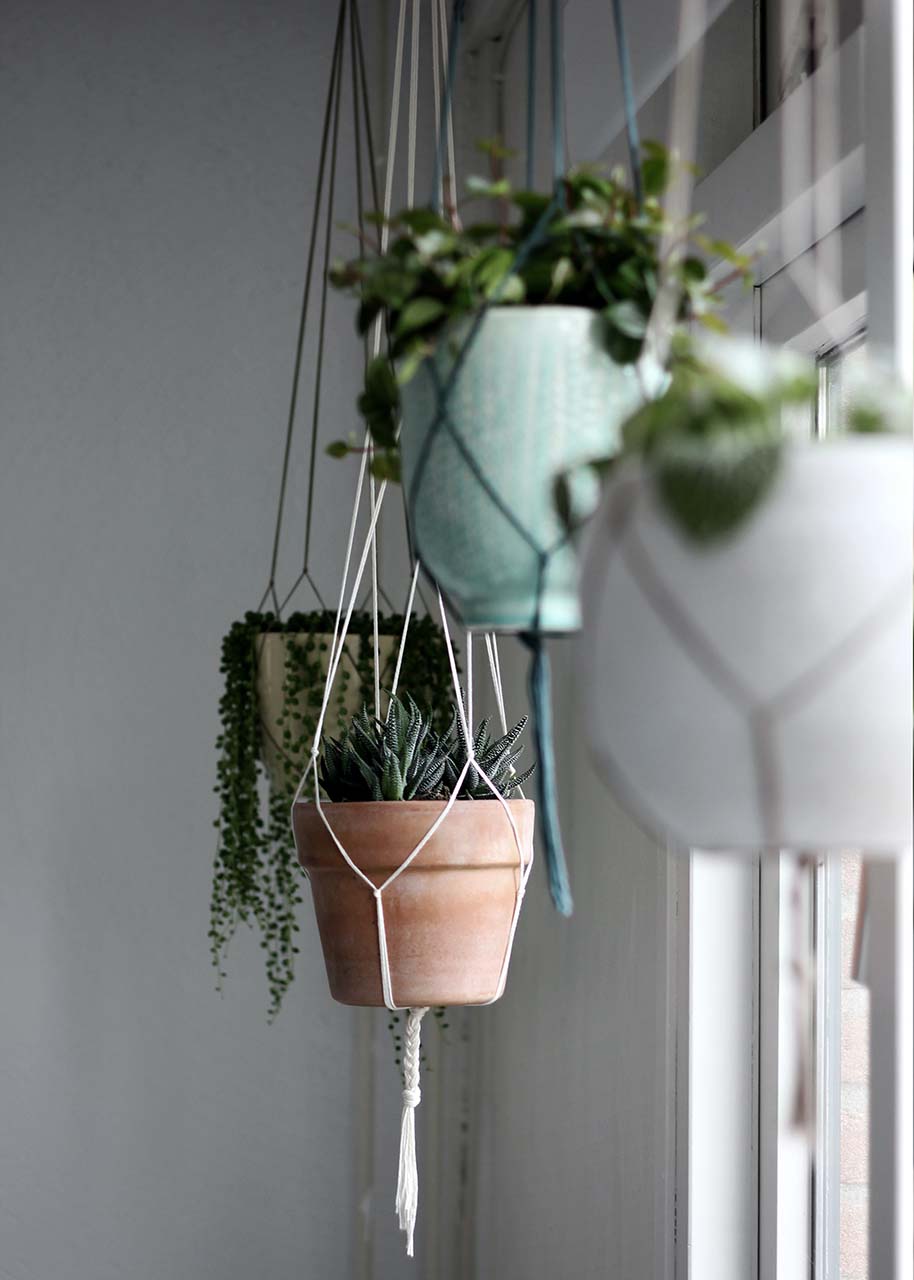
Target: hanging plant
275,672
418,865
448,914
516,350
747,609
513,344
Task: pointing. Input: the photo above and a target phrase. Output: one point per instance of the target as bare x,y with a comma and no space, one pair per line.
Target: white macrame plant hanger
407,1197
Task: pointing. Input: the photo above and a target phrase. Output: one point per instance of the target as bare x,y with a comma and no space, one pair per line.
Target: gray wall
156,165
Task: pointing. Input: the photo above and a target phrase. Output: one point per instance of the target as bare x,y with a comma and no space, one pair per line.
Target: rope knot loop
408,1177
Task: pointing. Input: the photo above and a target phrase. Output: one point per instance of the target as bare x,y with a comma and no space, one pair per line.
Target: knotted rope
407,1203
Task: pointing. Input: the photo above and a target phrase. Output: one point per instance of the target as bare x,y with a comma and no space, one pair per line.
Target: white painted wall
156,164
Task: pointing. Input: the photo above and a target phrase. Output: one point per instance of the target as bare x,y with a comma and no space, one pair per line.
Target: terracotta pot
285,768
447,917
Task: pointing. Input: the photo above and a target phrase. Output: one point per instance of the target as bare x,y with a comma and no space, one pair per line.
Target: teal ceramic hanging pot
532,394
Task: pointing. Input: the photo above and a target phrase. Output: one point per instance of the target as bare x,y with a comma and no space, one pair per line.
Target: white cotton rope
469,652
495,672
445,60
376,643
406,616
413,106
436,91
407,1202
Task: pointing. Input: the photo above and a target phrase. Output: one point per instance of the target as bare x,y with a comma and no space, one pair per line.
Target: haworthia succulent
403,757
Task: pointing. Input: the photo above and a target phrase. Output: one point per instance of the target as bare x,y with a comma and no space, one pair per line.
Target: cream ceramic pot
286,767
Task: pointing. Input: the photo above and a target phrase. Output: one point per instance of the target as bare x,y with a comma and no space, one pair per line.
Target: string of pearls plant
256,877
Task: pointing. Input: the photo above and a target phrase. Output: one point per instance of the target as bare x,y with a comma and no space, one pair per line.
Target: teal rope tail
541,705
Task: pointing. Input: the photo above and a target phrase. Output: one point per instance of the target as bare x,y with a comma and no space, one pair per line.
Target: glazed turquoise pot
535,394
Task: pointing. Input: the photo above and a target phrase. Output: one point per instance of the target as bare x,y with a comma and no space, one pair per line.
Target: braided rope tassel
408,1177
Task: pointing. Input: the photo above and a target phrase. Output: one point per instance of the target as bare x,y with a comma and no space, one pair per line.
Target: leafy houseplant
525,327
448,914
265,740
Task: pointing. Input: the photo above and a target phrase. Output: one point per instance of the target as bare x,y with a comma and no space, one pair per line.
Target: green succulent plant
400,758
405,758
496,759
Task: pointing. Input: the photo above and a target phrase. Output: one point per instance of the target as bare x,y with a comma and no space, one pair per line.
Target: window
814,1195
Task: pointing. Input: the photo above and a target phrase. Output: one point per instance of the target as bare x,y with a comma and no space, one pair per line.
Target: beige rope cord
407,1183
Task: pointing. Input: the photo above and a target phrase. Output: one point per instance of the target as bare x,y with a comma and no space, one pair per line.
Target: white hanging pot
757,693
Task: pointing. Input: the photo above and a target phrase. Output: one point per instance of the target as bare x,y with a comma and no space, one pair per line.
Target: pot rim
421,806
853,442
522,309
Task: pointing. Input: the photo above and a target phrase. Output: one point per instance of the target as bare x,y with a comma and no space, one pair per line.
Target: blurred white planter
757,694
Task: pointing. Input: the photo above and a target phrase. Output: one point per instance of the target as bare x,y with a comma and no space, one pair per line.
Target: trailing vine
256,877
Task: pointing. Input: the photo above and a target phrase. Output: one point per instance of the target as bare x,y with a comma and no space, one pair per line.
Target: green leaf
408,365
421,221
419,314
531,203
711,320
693,270
655,168
711,484
581,220
488,188
628,318
380,383
492,265
386,466
512,290
561,498
432,244
723,249
622,349
367,314
382,426
337,449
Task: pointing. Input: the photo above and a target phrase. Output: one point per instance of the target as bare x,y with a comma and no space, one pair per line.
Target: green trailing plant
712,443
594,247
256,878
404,757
